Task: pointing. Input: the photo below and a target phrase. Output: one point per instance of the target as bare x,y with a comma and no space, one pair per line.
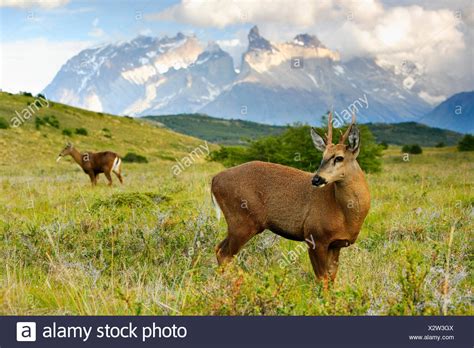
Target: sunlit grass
64,253
147,247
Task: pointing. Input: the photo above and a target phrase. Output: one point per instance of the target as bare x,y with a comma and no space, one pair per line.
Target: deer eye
338,159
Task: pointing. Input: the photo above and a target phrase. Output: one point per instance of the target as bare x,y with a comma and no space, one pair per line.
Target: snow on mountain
114,77
300,80
276,83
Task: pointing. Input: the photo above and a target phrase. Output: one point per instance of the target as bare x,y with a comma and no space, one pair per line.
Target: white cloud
30,65
433,36
47,4
96,31
235,46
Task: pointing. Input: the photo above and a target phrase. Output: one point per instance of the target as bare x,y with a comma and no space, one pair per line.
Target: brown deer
325,209
94,163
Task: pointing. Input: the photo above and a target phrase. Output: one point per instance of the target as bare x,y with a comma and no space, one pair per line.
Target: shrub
81,131
39,95
414,149
466,143
46,120
26,94
132,157
4,123
440,144
129,199
67,132
39,122
52,121
107,133
295,148
383,145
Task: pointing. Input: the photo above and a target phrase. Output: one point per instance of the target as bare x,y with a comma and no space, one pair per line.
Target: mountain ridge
179,75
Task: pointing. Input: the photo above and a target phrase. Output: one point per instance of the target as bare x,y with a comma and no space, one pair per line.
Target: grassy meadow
147,247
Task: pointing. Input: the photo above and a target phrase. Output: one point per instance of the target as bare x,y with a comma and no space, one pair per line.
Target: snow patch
431,99
338,70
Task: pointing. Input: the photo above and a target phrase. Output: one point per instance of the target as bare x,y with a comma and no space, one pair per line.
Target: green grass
147,247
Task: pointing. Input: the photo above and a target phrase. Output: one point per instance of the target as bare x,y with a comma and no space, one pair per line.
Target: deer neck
77,156
353,197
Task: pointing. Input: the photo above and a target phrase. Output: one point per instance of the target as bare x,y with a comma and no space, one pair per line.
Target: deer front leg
93,178
319,260
333,262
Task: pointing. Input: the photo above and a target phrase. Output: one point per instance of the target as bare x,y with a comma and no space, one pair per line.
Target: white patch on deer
116,165
216,207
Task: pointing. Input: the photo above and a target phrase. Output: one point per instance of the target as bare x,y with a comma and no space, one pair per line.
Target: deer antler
329,133
343,139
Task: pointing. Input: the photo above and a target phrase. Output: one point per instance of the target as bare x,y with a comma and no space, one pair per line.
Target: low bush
132,157
81,131
414,149
130,200
4,123
67,132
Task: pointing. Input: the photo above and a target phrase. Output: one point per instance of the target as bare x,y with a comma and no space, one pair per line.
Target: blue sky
38,36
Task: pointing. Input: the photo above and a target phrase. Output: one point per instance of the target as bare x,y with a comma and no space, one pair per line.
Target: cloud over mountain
434,38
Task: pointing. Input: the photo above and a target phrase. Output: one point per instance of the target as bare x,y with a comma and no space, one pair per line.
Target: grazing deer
325,209
94,163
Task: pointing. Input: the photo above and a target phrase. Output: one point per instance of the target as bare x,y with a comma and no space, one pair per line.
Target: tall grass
148,247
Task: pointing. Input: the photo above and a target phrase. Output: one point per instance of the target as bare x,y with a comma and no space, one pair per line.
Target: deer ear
318,141
354,140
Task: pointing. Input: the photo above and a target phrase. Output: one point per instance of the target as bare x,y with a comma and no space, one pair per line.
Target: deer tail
215,204
116,165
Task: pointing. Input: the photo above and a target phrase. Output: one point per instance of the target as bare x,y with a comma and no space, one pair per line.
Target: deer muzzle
318,181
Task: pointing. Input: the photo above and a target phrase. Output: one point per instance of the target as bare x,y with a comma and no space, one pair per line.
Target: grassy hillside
216,130
147,247
234,132
413,133
105,132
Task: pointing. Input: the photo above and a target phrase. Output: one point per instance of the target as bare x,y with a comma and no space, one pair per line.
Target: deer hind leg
236,239
117,170
119,176
109,177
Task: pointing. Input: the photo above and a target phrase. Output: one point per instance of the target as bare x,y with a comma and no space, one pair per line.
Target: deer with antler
94,163
326,209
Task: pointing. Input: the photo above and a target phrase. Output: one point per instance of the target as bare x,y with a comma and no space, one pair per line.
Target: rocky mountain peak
307,40
256,41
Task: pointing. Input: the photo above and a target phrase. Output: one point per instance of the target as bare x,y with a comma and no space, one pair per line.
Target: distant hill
235,132
37,144
455,113
217,130
412,133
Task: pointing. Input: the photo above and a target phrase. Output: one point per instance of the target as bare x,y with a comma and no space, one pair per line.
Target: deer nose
318,181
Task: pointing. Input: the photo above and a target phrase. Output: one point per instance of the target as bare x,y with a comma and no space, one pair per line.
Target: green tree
466,143
295,148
